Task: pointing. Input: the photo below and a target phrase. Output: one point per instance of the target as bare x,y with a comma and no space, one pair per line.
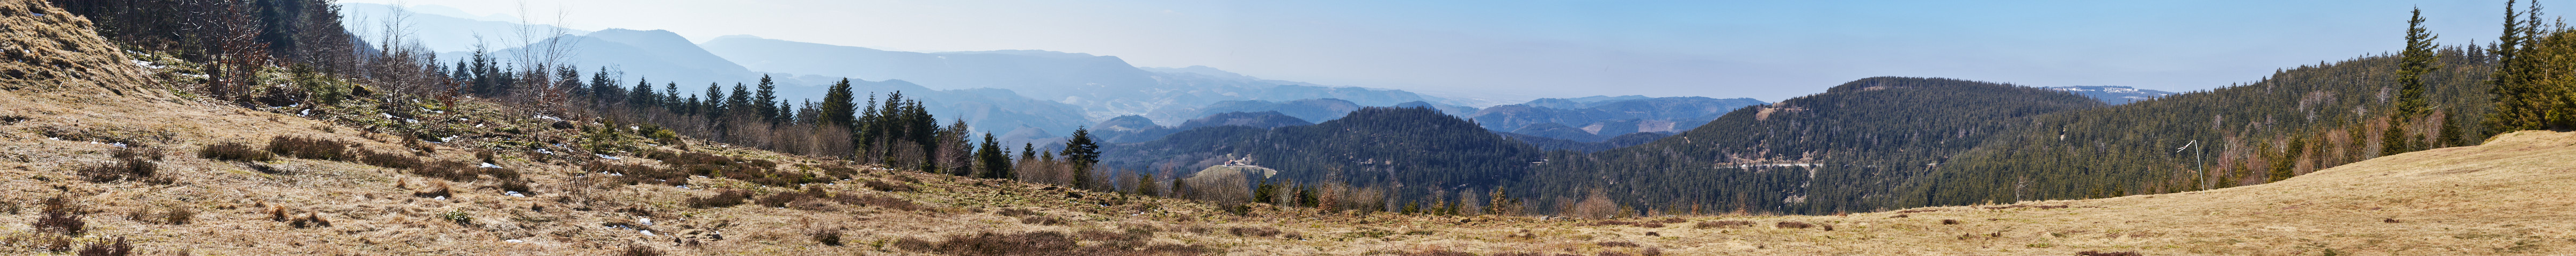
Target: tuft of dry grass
234,151
309,148
1794,224
722,199
60,216
1724,224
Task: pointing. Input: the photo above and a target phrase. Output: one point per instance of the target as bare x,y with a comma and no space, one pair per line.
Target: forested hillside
1822,153
1404,154
2296,121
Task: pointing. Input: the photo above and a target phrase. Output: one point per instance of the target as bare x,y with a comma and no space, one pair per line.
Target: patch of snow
118,144
548,118
646,232
514,241
609,157
305,112
489,165
478,125
514,194
53,138
645,221
440,198
387,116
545,151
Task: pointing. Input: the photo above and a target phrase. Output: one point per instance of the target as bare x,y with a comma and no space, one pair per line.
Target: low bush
234,151
60,216
781,199
830,236
1042,220
1949,222
639,250
1016,212
396,161
1724,224
125,169
988,243
881,201
1616,244
309,148
1794,224
888,187
102,248
436,189
722,199
310,220
1253,231
178,216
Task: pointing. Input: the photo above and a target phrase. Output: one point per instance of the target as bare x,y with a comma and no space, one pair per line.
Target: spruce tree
991,157
1081,152
768,100
837,106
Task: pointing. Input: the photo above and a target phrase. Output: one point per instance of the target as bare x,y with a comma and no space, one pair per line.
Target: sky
1767,50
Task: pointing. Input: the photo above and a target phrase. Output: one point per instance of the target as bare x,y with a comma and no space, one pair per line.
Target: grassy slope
2506,196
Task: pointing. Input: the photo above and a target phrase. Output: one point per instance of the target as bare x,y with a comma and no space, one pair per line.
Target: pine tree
1082,153
768,100
837,108
2413,63
996,164
713,108
739,103
643,94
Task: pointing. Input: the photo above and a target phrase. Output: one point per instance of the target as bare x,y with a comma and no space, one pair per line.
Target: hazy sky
1769,50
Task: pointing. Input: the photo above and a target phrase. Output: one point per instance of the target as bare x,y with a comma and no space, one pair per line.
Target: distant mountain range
1597,118
2115,95
1105,86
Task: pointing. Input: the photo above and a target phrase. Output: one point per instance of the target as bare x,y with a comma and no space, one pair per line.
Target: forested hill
1821,153
2293,122
1402,150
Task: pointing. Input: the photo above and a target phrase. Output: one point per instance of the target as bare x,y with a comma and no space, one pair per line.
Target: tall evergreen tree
837,108
713,107
739,103
768,100
991,157
2417,59
643,95
1081,152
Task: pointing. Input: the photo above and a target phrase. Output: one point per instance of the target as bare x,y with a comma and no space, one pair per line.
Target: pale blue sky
1768,50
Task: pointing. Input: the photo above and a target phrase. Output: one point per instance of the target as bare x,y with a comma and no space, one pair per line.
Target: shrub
1949,222
234,151
1042,220
436,189
889,187
782,198
309,148
831,236
640,250
134,169
1724,224
1616,244
722,199
1016,212
988,243
1651,251
178,216
309,220
914,244
1794,224
1253,231
882,202
460,217
120,248
395,161
61,216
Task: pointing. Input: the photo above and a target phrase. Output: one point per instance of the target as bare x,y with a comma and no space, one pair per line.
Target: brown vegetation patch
234,151
1724,224
1793,224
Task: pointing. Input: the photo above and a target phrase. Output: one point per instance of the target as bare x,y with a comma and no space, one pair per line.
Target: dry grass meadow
77,103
